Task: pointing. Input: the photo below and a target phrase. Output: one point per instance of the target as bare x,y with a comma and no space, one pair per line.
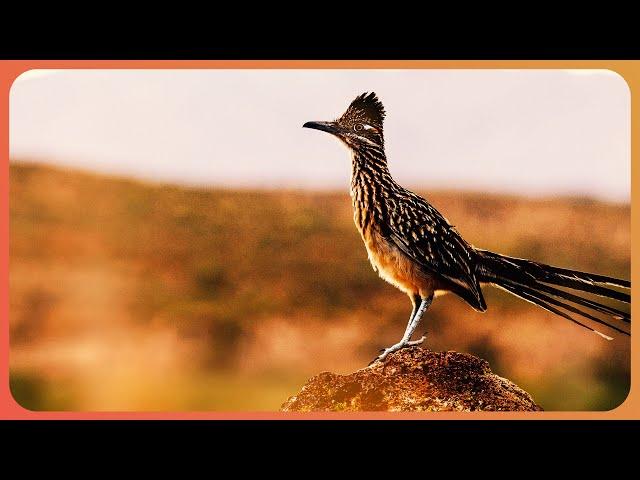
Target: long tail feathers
532,281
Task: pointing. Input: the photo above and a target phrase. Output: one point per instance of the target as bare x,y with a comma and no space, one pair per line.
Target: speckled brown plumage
414,247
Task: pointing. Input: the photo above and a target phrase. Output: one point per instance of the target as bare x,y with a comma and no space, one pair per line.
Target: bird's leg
416,300
413,323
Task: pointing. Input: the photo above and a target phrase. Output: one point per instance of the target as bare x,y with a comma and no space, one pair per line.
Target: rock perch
414,379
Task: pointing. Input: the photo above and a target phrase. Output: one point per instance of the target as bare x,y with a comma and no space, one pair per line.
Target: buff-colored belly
395,267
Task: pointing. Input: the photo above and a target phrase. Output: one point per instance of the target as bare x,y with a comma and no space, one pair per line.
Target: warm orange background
10,70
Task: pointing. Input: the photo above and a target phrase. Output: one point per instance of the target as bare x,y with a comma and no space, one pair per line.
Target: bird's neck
369,168
371,182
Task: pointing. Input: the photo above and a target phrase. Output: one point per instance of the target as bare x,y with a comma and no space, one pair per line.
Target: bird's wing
423,234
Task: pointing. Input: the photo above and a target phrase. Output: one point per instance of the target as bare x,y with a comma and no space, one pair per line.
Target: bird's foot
394,348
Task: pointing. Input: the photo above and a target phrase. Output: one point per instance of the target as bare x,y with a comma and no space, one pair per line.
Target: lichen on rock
414,379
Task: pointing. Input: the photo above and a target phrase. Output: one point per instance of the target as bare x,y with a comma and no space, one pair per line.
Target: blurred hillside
134,296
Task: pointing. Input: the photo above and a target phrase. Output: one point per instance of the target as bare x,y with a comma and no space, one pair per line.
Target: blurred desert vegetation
127,295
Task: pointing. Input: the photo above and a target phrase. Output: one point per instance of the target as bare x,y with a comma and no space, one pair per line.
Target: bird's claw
384,352
383,355
420,341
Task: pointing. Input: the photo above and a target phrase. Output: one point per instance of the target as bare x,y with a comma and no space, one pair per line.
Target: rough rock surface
414,379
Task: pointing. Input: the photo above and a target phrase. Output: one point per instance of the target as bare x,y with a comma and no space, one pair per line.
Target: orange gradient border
11,69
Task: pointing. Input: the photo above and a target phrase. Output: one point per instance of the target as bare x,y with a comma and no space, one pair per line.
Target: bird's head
360,126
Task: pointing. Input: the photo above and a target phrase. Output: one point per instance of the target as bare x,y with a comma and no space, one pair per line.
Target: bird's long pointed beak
329,127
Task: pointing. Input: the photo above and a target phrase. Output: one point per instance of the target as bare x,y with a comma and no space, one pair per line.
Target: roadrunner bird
413,247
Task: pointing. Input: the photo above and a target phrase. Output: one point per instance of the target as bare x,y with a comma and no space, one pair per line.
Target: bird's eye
358,127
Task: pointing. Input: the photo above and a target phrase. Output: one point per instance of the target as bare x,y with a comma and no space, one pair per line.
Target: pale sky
533,132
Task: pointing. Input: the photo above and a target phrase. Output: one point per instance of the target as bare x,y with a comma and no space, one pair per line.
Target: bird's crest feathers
366,108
